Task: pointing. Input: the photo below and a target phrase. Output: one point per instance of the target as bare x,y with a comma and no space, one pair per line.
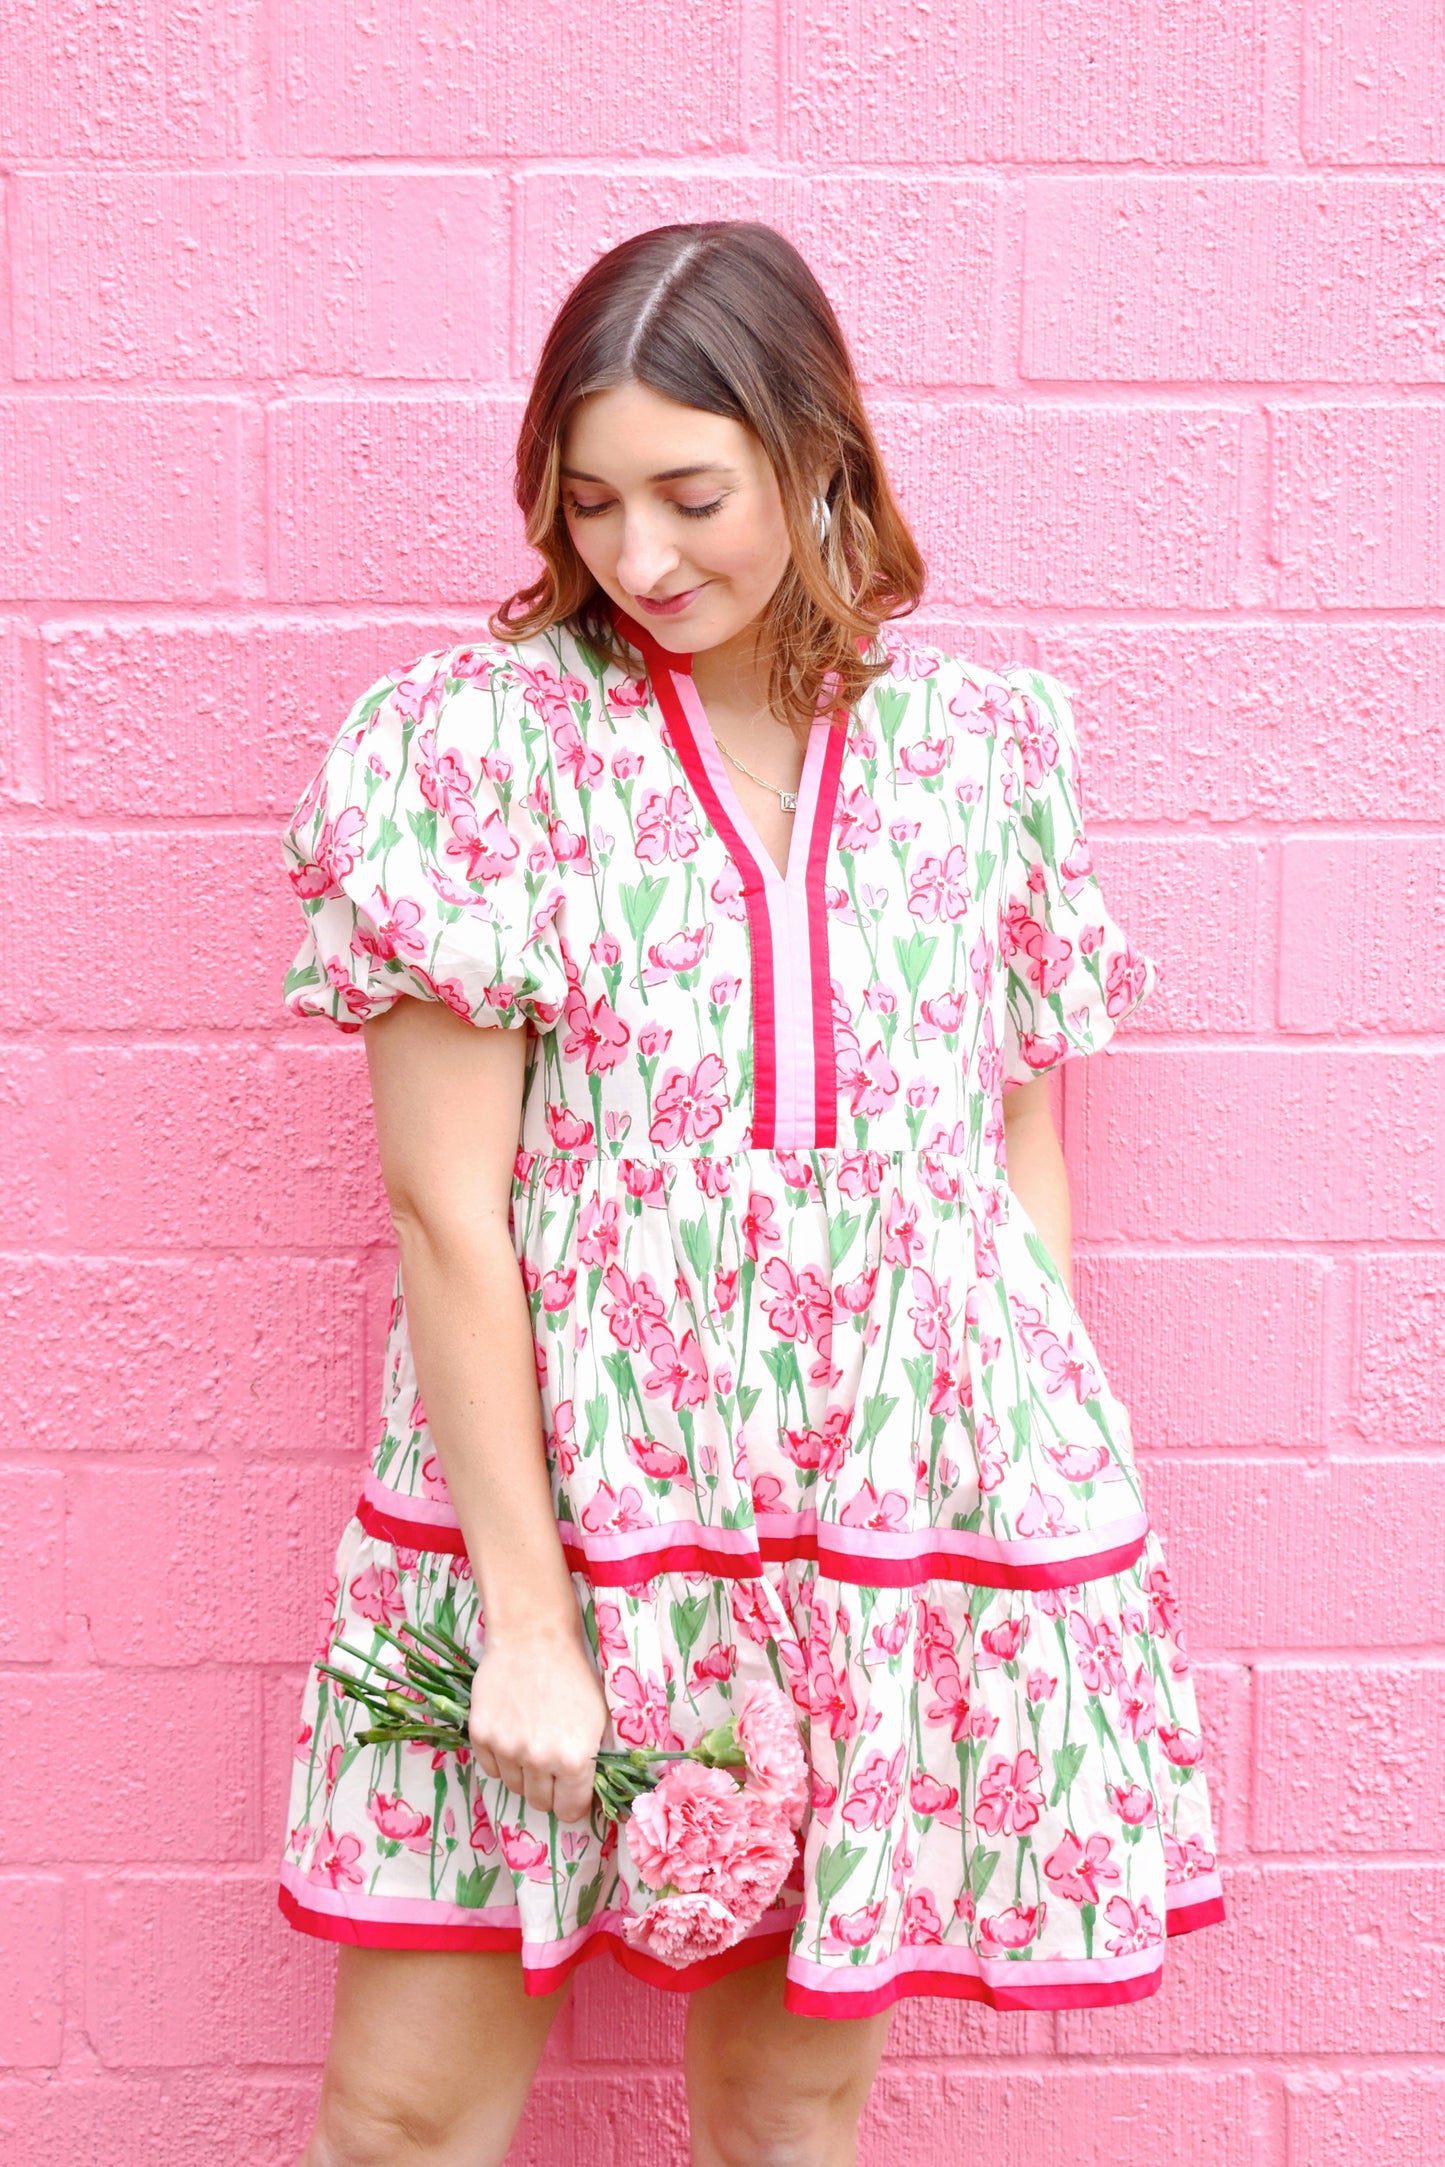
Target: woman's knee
373,2131
782,2123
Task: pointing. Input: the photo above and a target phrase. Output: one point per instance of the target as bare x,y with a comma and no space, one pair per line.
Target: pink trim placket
793,957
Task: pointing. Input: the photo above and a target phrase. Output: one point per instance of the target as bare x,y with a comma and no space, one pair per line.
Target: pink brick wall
1149,299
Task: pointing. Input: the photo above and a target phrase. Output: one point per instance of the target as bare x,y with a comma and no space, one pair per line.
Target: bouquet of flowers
712,1829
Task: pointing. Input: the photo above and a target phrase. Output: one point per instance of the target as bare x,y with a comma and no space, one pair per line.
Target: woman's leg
431,2058
766,2088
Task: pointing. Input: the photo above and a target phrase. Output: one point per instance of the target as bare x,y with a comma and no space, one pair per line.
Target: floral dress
818,1407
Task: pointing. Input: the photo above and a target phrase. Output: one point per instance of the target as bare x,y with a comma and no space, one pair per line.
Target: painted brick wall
1150,300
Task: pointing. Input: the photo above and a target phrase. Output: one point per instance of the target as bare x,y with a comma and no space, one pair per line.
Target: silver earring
822,518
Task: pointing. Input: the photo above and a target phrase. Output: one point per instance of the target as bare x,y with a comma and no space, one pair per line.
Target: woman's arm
447,1097
1036,1171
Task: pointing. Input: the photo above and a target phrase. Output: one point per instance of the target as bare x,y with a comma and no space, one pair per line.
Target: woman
775,926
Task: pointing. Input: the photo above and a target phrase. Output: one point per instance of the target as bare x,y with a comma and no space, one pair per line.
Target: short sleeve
1073,974
421,854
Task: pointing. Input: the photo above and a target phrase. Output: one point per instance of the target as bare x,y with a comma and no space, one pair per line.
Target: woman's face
666,503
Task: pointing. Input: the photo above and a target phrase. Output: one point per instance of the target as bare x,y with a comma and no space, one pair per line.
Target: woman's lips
673,604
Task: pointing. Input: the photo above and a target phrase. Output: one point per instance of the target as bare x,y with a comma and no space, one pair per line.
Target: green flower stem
442,1717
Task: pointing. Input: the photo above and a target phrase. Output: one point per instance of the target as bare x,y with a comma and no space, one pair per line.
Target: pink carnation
751,1876
680,1929
700,1833
678,1830
767,1731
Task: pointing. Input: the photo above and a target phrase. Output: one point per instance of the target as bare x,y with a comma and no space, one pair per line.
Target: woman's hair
726,316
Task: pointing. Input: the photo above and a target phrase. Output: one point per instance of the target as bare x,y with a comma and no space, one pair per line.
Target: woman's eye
586,511
700,511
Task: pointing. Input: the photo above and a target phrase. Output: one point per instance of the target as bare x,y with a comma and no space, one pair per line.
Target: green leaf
697,1246
587,1901
1095,1708
475,1886
1041,1257
619,1368
748,1397
980,1872
782,1365
1096,1412
983,865
876,1410
835,1864
640,902
919,1371
914,956
388,834
1038,817
890,706
309,976
598,1411
348,1756
840,1236
688,1619
423,826
1068,1760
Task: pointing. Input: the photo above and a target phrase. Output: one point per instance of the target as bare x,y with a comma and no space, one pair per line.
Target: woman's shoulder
989,699
475,682
916,660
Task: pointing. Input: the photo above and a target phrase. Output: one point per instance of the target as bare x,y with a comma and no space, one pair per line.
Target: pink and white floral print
819,1408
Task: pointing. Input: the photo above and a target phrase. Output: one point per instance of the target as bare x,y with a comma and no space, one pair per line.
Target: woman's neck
733,677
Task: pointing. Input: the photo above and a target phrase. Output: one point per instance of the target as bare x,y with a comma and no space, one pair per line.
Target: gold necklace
788,799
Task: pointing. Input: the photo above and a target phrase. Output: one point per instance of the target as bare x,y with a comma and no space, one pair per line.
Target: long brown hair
727,317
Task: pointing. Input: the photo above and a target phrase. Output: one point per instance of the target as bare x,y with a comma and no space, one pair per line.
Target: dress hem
1113,1985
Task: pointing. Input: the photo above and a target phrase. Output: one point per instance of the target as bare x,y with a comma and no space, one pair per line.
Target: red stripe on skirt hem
390,1933
860,1571
838,2002
811,2001
1184,1918
537,1979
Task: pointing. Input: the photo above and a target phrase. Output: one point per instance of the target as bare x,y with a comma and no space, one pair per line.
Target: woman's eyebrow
673,474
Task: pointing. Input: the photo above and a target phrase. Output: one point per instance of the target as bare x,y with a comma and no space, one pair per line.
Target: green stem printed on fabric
439,1796
557,1885
863,925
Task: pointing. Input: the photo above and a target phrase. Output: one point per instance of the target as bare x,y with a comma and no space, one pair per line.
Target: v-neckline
668,672
804,813
794,1058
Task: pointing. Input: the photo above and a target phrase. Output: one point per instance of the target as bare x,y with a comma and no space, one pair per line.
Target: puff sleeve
1072,973
421,855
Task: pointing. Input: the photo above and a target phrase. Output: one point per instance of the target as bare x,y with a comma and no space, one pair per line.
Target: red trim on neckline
661,665
825,1052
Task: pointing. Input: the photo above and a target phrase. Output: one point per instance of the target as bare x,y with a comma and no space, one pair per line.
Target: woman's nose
647,556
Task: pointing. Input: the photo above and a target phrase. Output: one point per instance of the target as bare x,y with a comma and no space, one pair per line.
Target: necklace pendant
790,800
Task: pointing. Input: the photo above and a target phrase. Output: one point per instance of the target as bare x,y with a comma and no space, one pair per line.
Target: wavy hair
726,316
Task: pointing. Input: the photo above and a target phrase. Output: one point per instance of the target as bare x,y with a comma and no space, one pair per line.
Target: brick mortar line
737,166
1132,395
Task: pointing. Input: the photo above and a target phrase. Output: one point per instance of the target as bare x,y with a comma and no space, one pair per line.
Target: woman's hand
537,1718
